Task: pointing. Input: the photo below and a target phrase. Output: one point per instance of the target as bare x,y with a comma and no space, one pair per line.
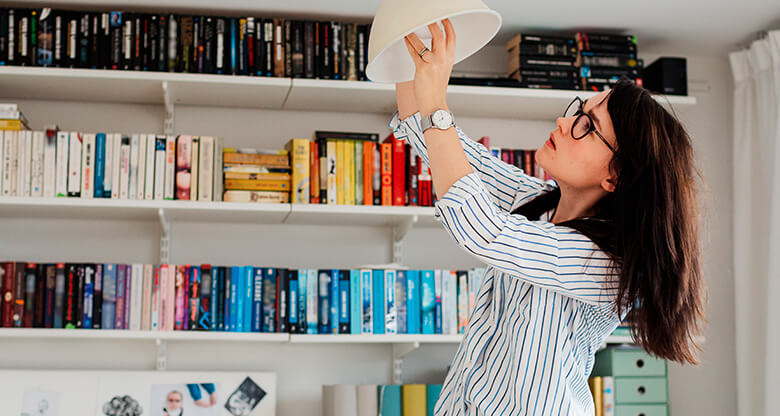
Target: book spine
334,304
218,184
355,298
109,296
608,395
278,37
88,166
180,275
194,174
367,301
121,297
437,302
302,302
323,278
236,299
140,170
89,296
124,167
9,142
391,312
74,164
151,156
428,301
314,172
378,292
116,170
39,298
183,166
344,302
206,168
214,298
463,301
283,300
299,150
269,303
97,298
25,163
170,166
288,48
312,302
100,163
387,173
224,299
331,172
159,167
293,318
69,308
59,296
257,300
36,167
413,303
401,280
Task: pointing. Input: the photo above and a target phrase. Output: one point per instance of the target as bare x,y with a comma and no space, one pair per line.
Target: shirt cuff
400,127
462,190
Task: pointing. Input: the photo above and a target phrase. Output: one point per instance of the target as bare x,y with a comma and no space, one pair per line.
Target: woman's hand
433,68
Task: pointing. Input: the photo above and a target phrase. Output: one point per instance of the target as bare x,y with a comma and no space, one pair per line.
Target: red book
181,273
412,177
40,296
7,278
69,315
368,172
424,180
485,141
387,173
529,162
399,170
314,172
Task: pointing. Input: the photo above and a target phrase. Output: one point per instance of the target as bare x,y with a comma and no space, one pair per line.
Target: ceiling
685,27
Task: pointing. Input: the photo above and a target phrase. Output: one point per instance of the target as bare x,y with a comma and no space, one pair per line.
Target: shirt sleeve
539,252
507,185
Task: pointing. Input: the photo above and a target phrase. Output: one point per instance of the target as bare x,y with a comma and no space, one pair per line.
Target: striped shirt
546,303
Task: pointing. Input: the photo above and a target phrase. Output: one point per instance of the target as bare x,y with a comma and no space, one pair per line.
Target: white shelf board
225,212
359,215
109,334
374,339
78,208
278,93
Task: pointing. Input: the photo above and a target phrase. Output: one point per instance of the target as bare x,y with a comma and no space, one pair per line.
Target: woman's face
581,164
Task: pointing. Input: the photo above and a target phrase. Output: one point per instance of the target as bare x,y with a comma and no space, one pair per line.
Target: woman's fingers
437,41
412,51
450,32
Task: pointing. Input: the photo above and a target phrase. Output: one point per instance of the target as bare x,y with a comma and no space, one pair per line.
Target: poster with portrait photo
185,399
245,398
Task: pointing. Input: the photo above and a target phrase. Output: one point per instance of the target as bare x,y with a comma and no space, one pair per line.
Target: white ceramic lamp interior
389,61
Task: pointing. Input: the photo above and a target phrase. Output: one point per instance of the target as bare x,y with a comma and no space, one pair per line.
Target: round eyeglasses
583,124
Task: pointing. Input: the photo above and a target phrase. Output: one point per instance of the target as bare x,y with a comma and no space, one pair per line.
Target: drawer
640,390
641,410
632,362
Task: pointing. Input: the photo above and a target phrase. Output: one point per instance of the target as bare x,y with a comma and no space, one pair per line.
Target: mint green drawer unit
629,390
641,410
631,362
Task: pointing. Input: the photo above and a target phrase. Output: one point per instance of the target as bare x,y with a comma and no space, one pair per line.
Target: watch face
441,119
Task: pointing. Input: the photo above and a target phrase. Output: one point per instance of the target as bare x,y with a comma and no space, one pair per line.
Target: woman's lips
550,142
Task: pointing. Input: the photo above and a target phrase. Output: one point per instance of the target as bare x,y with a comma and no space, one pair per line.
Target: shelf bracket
168,122
162,354
399,352
165,237
399,233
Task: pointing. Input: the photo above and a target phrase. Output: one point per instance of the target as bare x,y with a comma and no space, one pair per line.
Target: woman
614,236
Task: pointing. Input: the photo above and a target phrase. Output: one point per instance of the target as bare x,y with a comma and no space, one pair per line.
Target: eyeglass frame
579,114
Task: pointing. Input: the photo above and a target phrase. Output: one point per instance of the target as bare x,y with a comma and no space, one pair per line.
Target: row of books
603,390
252,46
384,400
203,297
107,165
588,61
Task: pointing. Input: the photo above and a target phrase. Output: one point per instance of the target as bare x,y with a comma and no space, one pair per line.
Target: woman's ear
608,183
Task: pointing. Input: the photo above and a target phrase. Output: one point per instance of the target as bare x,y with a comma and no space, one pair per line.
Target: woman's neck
575,203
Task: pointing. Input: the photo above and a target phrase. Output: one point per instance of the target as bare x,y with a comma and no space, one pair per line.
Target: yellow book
299,159
413,399
341,196
597,391
349,172
12,124
257,185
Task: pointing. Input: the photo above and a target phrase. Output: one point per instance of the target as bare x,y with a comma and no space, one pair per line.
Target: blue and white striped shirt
546,303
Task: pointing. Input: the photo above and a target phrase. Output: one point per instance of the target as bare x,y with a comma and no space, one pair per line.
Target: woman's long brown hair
649,225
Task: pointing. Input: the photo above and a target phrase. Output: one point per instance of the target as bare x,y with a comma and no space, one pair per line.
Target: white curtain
756,170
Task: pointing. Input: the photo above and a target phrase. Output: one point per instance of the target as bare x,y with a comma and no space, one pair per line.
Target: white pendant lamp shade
388,59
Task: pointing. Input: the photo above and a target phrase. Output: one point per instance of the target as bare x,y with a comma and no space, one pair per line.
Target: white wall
707,389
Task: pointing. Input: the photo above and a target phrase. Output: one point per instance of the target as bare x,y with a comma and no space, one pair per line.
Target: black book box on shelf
666,76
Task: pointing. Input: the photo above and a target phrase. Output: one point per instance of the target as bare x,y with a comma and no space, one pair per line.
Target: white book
194,168
2,160
206,168
136,297
9,107
391,322
163,292
170,166
159,168
339,400
608,395
450,299
149,167
9,138
36,168
332,184
124,168
218,176
132,192
141,180
108,166
116,171
74,164
367,301
312,301
63,155
367,400
154,312
14,155
88,166
50,164
146,300
25,163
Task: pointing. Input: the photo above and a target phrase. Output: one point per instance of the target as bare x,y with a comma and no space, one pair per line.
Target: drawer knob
641,414
641,390
640,363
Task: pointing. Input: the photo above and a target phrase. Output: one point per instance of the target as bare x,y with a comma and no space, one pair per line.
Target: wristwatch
440,119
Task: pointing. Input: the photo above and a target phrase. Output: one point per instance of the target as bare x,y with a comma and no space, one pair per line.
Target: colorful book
378,283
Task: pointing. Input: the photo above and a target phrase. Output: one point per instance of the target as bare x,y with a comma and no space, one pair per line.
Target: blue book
355,297
236,302
389,400
334,302
269,300
109,296
437,306
432,392
100,165
344,303
257,300
428,301
391,326
312,302
303,277
247,293
233,45
227,277
378,292
292,311
323,278
413,305
89,292
400,300
214,298
367,302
